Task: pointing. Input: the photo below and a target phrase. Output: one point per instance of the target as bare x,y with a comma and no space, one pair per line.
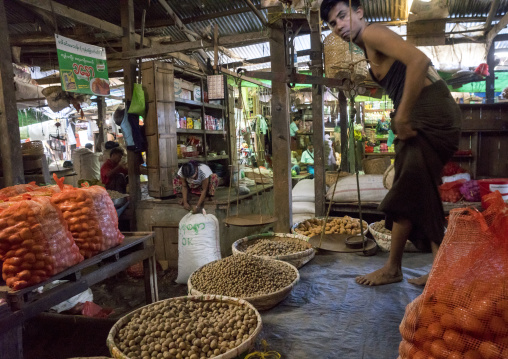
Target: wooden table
26,303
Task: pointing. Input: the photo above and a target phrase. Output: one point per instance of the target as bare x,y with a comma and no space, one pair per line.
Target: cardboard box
183,89
197,93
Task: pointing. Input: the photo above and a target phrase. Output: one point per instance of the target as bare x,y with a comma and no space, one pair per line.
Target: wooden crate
166,244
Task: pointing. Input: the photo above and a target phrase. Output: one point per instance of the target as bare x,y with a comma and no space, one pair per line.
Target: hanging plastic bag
137,106
127,131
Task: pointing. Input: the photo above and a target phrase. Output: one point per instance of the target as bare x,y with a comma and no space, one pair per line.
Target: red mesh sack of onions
470,190
35,243
92,218
7,192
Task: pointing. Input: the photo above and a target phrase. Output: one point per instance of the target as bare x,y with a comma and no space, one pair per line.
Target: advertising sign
83,67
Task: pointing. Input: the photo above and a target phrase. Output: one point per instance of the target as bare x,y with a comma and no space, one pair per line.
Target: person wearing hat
198,179
113,172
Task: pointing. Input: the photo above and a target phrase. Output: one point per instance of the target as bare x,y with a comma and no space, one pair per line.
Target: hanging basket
388,177
338,57
32,150
375,166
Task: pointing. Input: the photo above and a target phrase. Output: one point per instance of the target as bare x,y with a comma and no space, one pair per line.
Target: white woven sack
300,217
371,189
304,191
198,243
304,207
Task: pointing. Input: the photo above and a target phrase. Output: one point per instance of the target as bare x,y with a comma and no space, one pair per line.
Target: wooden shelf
377,110
217,107
466,157
380,154
189,130
203,159
215,132
181,101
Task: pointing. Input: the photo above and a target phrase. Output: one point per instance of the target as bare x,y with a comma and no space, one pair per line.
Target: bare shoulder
376,32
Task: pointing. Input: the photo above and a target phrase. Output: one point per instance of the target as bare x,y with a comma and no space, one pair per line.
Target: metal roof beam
181,26
256,12
80,17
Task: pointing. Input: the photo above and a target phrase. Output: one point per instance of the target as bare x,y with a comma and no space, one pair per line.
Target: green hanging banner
83,67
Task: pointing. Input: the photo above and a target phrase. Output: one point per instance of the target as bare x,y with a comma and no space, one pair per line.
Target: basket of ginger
334,225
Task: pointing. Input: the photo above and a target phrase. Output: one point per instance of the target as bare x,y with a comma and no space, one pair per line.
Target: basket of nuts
291,248
383,237
262,282
187,327
346,226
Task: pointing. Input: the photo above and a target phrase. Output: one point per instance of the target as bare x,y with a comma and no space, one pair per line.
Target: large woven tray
384,241
298,259
233,353
261,302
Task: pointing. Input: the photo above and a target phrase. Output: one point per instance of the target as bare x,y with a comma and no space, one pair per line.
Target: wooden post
215,48
101,123
491,79
316,57
280,129
129,70
10,147
344,140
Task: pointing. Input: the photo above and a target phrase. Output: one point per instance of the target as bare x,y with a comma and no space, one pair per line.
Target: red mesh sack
92,218
34,242
18,189
450,191
463,311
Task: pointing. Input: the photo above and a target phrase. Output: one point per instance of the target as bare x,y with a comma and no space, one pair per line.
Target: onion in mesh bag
471,191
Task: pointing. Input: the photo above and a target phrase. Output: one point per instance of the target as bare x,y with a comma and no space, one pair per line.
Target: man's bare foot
380,277
419,280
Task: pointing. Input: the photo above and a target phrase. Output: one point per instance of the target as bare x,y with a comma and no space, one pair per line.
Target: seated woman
198,179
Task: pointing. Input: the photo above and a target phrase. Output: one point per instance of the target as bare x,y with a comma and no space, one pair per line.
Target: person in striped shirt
196,178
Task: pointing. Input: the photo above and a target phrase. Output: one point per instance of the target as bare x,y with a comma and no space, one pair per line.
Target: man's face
117,157
340,22
310,148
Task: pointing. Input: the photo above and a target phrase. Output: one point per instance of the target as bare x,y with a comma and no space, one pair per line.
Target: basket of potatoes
346,226
262,282
291,248
191,327
383,237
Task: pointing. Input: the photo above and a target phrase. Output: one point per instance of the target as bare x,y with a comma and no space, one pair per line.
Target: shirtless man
427,125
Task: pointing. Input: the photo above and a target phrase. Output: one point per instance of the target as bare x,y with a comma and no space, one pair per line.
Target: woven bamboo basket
338,56
375,166
298,259
261,302
384,241
32,150
233,353
331,177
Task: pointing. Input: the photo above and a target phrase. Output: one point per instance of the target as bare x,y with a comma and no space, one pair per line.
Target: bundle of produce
452,168
471,191
7,192
463,311
92,218
450,191
188,328
34,242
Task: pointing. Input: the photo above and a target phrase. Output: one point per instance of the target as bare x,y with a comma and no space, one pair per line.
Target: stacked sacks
35,243
303,204
92,218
